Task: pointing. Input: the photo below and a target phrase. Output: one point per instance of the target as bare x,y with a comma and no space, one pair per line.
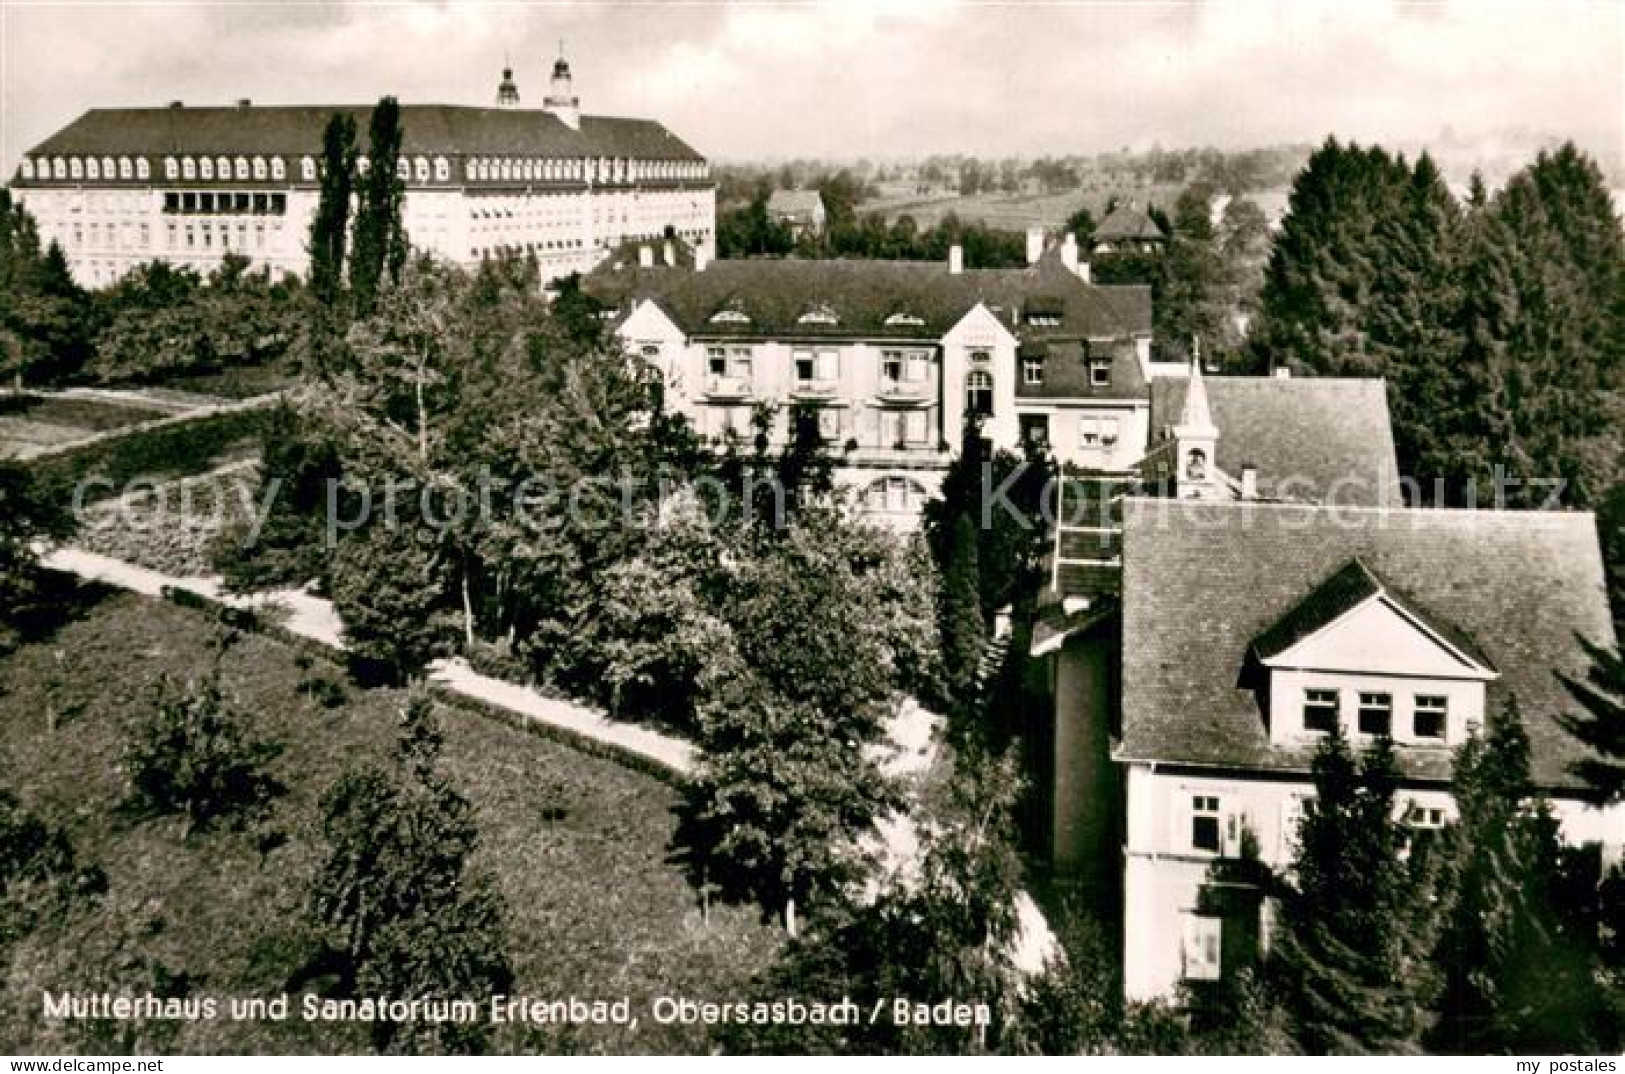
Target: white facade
191,185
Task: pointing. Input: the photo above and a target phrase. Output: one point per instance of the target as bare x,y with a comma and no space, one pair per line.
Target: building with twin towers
189,185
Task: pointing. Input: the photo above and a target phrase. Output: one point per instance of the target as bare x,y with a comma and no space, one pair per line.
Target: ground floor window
1202,947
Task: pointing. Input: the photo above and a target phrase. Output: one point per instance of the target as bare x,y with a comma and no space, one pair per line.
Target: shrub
188,753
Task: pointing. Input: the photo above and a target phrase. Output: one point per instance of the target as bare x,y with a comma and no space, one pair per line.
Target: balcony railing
721,387
904,391
814,389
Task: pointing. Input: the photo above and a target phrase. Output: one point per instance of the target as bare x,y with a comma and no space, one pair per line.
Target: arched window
205,168
27,168
307,169
93,170
141,169
979,393
1196,465
279,170
421,167
442,169
259,168
894,495
125,171
76,168
222,167
171,168
240,169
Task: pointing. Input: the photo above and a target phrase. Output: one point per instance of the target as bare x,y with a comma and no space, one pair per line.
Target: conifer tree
964,631
1602,725
1356,921
1517,966
380,240
330,227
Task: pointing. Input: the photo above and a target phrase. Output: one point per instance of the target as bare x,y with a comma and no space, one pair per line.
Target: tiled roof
1067,370
1202,581
1312,439
1350,586
774,293
794,203
430,129
1128,222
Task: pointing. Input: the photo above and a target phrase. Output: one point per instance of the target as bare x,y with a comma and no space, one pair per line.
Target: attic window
1100,373
730,315
1044,312
822,313
900,319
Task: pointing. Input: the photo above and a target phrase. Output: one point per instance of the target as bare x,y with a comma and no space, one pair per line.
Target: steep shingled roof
1312,438
1202,581
1126,223
774,293
297,130
798,204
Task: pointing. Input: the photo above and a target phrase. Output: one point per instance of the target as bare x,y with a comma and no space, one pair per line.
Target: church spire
507,89
1197,415
561,99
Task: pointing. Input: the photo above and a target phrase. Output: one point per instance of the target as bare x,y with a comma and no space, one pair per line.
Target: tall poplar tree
380,239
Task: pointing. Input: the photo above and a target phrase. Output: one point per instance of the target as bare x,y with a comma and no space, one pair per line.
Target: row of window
1100,372
898,429
898,368
1212,831
822,314
419,168
1374,715
237,203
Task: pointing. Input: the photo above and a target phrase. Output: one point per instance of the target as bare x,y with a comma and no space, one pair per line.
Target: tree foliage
1518,964
330,226
1358,919
402,910
379,246
188,751
30,513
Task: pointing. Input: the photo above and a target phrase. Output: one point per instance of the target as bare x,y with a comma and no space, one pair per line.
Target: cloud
850,77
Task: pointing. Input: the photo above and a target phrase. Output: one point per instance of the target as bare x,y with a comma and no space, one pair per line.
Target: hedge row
161,451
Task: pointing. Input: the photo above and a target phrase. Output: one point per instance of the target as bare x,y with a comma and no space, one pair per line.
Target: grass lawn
596,909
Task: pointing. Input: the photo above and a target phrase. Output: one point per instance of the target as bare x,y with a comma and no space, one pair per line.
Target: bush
188,753
169,450
39,871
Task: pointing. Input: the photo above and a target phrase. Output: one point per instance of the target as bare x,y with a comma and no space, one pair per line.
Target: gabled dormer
1359,653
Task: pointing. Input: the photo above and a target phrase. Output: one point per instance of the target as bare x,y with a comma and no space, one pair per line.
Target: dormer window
1429,716
730,315
1044,312
1320,711
1376,716
905,320
141,168
27,168
1100,373
1032,371
823,313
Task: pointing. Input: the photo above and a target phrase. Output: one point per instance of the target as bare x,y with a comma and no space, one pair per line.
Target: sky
881,79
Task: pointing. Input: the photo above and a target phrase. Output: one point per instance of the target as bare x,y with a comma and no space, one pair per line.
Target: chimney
1283,373
956,259
1069,253
1249,481
646,257
245,102
1035,244
670,254
177,104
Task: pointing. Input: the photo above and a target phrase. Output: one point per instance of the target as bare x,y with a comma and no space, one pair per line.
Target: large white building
117,187
895,354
